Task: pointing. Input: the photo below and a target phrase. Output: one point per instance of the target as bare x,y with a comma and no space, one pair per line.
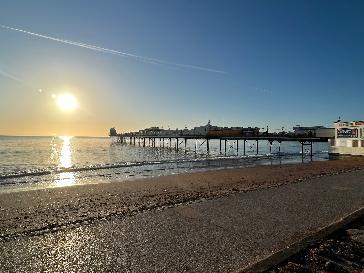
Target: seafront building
349,138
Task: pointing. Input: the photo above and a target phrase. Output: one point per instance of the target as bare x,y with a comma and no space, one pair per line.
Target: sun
67,102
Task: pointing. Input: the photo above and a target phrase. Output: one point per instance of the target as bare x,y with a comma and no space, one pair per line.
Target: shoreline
33,212
124,172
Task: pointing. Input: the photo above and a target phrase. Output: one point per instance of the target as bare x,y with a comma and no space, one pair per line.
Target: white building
349,138
202,130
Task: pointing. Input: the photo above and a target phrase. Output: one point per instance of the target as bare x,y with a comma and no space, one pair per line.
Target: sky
136,64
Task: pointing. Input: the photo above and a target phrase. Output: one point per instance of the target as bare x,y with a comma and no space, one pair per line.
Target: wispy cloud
116,52
10,76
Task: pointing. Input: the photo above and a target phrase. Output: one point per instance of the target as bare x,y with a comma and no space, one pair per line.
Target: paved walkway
222,235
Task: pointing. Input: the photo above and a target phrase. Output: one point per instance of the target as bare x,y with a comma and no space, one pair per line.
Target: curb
292,249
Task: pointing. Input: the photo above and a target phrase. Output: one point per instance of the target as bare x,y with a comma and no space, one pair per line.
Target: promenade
225,234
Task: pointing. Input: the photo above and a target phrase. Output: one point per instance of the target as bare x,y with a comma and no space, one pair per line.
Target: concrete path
222,235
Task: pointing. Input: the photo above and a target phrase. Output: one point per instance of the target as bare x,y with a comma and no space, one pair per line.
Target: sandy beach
220,221
39,211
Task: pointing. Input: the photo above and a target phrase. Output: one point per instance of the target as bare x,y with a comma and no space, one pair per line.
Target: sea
28,163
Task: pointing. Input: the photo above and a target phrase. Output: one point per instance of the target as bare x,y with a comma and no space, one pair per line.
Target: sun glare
67,102
65,161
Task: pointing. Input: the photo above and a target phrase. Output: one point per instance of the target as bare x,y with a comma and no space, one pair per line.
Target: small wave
208,160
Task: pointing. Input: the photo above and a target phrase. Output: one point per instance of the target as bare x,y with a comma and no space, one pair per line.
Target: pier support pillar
208,146
307,143
279,147
257,146
220,145
244,145
185,145
237,146
225,146
177,144
302,149
270,146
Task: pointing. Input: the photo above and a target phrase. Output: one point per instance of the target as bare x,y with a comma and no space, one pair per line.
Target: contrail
115,52
9,76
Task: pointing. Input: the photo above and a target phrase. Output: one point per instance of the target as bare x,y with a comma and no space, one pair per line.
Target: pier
180,141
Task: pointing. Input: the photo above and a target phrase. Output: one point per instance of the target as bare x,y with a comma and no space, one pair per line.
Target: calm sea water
40,162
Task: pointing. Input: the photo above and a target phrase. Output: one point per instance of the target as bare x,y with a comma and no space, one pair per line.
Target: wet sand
42,211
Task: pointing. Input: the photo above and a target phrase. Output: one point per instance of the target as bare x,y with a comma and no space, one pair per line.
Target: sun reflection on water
65,161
